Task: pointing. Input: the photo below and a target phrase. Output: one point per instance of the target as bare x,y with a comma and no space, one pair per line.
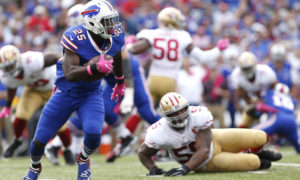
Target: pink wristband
88,68
119,78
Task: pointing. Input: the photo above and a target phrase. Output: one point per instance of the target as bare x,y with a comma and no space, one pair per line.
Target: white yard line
286,164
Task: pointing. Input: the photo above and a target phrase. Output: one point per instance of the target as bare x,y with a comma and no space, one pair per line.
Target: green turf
129,168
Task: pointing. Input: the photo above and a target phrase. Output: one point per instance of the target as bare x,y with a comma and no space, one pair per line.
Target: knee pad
92,141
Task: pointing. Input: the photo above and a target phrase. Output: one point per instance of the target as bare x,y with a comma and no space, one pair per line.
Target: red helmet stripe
88,11
176,99
171,101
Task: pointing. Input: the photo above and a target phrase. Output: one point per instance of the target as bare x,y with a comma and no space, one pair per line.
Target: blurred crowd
250,25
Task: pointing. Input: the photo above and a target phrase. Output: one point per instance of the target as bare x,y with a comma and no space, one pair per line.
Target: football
96,59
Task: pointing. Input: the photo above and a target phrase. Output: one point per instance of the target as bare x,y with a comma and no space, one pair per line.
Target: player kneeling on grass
185,131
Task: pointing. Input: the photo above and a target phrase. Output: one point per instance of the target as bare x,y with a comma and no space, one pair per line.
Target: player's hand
104,66
183,170
156,171
127,102
118,91
222,44
5,112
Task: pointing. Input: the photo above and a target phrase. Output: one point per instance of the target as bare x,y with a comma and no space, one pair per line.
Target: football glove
156,171
183,170
5,112
127,102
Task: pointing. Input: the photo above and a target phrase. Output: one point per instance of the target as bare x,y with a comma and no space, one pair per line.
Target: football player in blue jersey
280,106
78,86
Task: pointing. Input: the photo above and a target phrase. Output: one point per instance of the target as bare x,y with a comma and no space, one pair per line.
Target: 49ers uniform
168,47
38,82
224,150
264,77
181,145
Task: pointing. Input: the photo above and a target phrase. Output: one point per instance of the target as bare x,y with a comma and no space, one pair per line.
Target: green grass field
129,168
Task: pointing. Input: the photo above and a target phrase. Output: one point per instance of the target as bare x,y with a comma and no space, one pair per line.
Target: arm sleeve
205,57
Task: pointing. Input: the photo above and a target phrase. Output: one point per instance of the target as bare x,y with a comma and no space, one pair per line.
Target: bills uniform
284,121
85,98
225,148
38,82
167,49
142,98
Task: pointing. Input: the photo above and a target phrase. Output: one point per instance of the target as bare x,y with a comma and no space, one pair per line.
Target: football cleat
84,171
122,148
265,164
11,148
269,155
51,154
33,173
69,158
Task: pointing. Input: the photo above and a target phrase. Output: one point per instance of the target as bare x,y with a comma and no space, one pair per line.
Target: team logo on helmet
91,11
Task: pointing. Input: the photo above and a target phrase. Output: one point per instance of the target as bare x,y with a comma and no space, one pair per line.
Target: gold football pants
228,144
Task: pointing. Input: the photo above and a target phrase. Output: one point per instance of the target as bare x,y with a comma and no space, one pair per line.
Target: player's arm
142,45
51,58
145,154
203,141
10,94
127,102
74,72
118,66
242,93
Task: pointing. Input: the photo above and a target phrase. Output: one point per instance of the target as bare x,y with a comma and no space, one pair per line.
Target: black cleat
122,148
11,148
265,164
269,155
51,154
69,157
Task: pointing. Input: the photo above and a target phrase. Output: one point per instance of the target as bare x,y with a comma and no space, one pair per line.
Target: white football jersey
264,77
167,48
35,76
180,144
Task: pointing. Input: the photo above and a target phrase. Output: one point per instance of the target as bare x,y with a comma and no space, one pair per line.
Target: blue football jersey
282,102
78,40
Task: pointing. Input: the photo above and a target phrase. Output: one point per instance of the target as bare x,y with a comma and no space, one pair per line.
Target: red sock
19,126
254,150
132,123
65,137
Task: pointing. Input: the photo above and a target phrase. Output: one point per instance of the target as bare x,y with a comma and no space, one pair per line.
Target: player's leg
142,97
91,115
54,115
64,134
227,161
29,102
289,129
113,120
238,139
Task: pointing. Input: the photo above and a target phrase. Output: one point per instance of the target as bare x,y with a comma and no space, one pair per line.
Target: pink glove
104,66
222,44
265,108
130,39
5,112
118,91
